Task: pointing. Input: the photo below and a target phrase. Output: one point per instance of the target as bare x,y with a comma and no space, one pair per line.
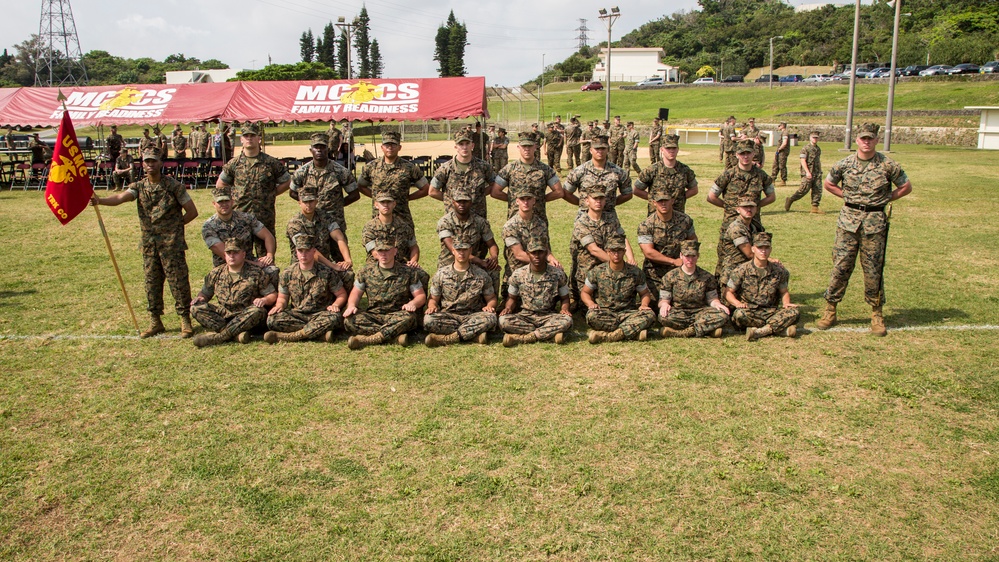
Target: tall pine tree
449,51
376,60
343,65
308,46
362,43
326,50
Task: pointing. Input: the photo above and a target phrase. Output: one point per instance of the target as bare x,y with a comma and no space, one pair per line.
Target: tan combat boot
674,333
359,342
559,338
828,319
642,336
753,334
787,204
208,338
791,331
878,322
437,340
817,211
274,337
483,338
155,327
244,337
186,329
596,336
510,340
717,333
616,335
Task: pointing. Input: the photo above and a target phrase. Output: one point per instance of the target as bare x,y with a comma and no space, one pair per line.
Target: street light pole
772,60
848,137
609,19
891,78
348,31
541,100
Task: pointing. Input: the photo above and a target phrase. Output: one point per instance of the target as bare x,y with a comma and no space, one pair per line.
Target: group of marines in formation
531,296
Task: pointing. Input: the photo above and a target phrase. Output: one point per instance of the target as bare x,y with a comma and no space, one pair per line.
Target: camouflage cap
536,244
462,136
595,191
671,141
815,134
308,193
746,202
232,245
319,138
615,242
222,194
151,154
869,130
461,243
521,190
463,194
599,141
384,242
304,241
762,239
250,129
660,194
690,248
383,195
744,146
391,137
526,138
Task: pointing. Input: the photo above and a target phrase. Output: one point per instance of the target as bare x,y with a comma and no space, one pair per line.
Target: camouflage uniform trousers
780,166
314,325
654,155
390,325
166,264
631,160
500,159
572,156
628,321
704,320
267,218
586,153
731,160
545,324
468,326
871,248
554,154
777,318
814,185
616,153
220,320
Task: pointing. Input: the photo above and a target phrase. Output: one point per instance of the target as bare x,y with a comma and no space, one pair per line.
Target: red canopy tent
320,100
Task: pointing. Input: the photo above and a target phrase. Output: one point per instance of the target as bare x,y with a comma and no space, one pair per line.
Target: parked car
651,81
881,72
592,86
991,67
734,78
913,69
792,78
767,78
818,78
704,80
936,70
965,68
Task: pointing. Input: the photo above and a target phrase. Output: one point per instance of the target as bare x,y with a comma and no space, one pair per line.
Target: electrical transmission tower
582,29
58,58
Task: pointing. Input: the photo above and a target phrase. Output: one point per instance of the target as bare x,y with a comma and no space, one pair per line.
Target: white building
634,64
203,76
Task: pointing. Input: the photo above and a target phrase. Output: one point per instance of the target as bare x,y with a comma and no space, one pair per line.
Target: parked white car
704,80
818,78
651,81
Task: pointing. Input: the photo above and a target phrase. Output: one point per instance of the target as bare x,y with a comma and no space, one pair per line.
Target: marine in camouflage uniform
114,143
736,244
161,143
689,303
459,222
179,146
674,177
572,150
204,143
244,228
585,141
811,174
655,141
462,303
335,185
728,135
395,175
632,138
164,207
783,144
395,297
758,289
587,231
521,227
865,184
326,234
615,138
553,147
612,179
745,180
529,173
391,227
752,133
537,288
194,141
610,292
125,170
310,299
464,172
147,142
256,180
500,155
660,236
241,297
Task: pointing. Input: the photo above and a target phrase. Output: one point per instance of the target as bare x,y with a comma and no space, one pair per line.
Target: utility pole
848,137
58,58
348,30
771,76
582,38
609,19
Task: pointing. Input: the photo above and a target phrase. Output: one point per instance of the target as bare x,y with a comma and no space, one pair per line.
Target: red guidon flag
68,190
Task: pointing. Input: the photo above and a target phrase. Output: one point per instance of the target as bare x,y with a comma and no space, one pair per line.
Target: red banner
68,190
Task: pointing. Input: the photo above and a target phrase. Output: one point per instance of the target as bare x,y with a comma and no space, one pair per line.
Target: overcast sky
507,38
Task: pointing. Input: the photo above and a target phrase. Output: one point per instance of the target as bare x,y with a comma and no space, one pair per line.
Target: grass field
832,446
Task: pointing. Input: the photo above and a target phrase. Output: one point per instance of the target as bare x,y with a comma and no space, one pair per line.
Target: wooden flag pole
117,271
